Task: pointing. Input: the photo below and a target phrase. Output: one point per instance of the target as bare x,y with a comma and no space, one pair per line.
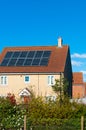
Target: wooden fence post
24,122
82,122
30,128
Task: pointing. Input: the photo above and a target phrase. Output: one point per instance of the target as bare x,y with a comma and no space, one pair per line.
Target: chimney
59,42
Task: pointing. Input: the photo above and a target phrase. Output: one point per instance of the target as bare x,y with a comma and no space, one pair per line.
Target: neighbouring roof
77,78
85,84
55,64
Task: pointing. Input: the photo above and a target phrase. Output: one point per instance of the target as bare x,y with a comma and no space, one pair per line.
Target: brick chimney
59,42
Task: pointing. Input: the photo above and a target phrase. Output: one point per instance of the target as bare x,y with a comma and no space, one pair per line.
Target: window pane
26,78
52,80
5,80
48,79
1,79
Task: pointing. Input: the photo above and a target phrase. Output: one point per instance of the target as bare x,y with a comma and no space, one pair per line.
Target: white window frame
52,98
51,80
3,80
26,76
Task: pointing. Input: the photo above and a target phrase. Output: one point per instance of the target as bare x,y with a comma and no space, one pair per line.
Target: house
34,69
85,88
79,89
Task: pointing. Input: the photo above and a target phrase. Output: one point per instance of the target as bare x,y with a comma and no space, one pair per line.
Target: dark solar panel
16,54
39,54
46,53
28,62
23,54
26,58
35,62
12,62
31,54
20,62
4,62
44,62
8,54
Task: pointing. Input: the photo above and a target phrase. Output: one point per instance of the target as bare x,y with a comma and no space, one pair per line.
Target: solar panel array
26,58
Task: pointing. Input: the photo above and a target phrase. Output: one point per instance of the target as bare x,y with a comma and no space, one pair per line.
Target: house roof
77,78
56,62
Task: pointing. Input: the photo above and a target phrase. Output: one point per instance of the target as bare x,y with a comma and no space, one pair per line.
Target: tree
11,114
61,88
11,98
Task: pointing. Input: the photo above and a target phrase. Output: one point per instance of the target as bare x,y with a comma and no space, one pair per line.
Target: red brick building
78,88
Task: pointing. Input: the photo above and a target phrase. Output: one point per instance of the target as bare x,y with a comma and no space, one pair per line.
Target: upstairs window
50,80
27,79
3,80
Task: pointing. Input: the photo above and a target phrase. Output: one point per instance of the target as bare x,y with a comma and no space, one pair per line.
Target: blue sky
41,22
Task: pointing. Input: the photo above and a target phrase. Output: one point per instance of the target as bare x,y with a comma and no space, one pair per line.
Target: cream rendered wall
44,88
38,83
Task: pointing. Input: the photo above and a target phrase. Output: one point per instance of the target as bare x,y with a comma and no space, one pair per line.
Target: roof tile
77,78
56,63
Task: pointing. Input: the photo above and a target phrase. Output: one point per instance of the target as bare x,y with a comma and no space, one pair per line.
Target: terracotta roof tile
56,62
77,78
0,57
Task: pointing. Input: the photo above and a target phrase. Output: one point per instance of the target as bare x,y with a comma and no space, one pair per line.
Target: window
52,98
27,79
50,80
3,80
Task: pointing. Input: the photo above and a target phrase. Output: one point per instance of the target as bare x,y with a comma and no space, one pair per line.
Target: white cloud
84,75
83,71
77,55
76,63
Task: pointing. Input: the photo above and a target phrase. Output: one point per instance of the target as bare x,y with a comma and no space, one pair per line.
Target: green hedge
56,124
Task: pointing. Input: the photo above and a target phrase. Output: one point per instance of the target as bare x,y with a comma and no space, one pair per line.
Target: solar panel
31,54
15,54
4,62
23,53
20,62
35,62
8,54
12,62
28,62
44,62
26,58
39,54
46,53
